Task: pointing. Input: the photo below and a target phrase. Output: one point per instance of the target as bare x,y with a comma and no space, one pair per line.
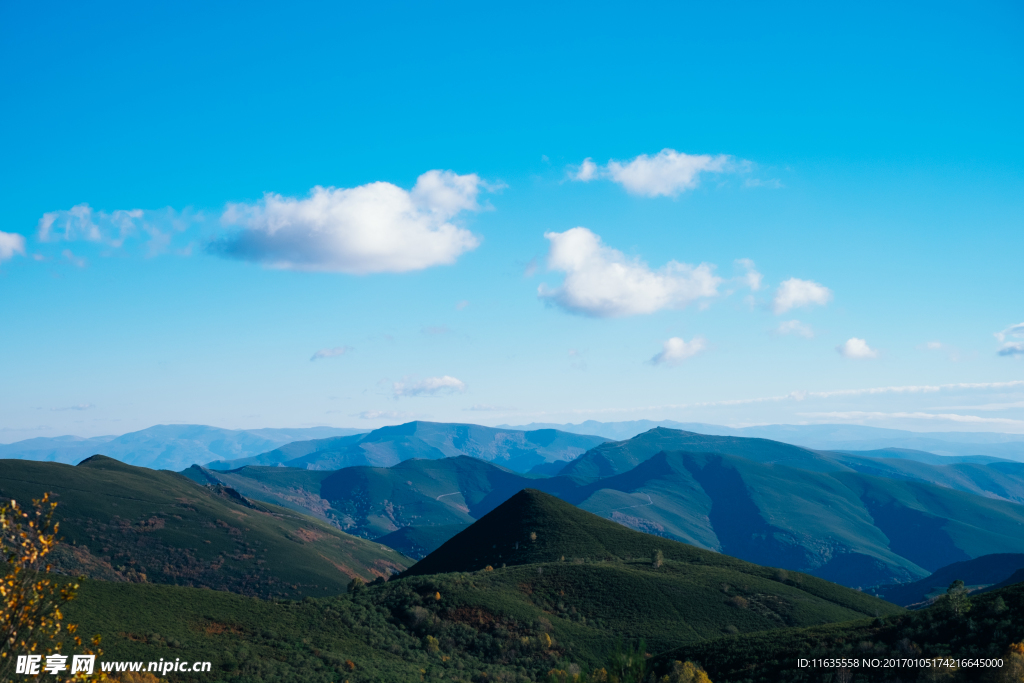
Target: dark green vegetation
993,621
981,572
517,450
854,520
125,523
508,623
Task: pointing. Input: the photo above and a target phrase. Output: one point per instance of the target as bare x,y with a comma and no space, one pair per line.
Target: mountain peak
533,526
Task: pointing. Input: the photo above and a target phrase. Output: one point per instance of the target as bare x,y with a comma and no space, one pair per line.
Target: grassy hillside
534,527
511,624
994,621
517,450
125,523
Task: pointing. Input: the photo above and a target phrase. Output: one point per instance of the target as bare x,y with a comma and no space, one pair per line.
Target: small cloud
1011,331
331,353
531,268
436,329
772,184
795,327
676,350
544,158
461,305
83,406
431,386
75,260
483,408
933,346
857,349
11,243
383,415
666,174
752,278
1012,349
796,293
604,283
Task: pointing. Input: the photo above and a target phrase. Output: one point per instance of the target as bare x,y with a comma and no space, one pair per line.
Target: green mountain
535,527
125,523
517,450
511,623
981,572
617,457
844,526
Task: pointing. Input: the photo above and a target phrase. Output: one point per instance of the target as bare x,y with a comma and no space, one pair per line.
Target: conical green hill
533,526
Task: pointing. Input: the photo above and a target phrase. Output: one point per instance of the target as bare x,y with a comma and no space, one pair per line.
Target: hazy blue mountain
825,437
66,449
517,450
172,447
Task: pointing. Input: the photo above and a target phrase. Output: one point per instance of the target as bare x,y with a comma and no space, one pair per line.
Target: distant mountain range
170,447
852,519
827,437
387,446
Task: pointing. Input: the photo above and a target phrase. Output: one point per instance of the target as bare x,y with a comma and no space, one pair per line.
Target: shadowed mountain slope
125,523
517,450
984,571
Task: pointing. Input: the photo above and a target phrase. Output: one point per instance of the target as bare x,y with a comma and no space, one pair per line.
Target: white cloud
603,282
667,173
855,415
751,278
795,293
1011,331
795,327
675,350
933,346
431,386
484,408
1012,349
331,353
383,414
857,349
374,228
461,305
11,243
81,406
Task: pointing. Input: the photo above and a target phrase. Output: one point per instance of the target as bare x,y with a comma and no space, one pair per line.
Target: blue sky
737,213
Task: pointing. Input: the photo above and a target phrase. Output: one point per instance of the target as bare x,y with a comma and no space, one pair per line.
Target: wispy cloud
75,260
862,416
1011,348
483,408
751,278
374,228
856,349
796,293
666,174
436,330
603,282
81,406
383,415
795,327
11,243
431,386
676,349
331,353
